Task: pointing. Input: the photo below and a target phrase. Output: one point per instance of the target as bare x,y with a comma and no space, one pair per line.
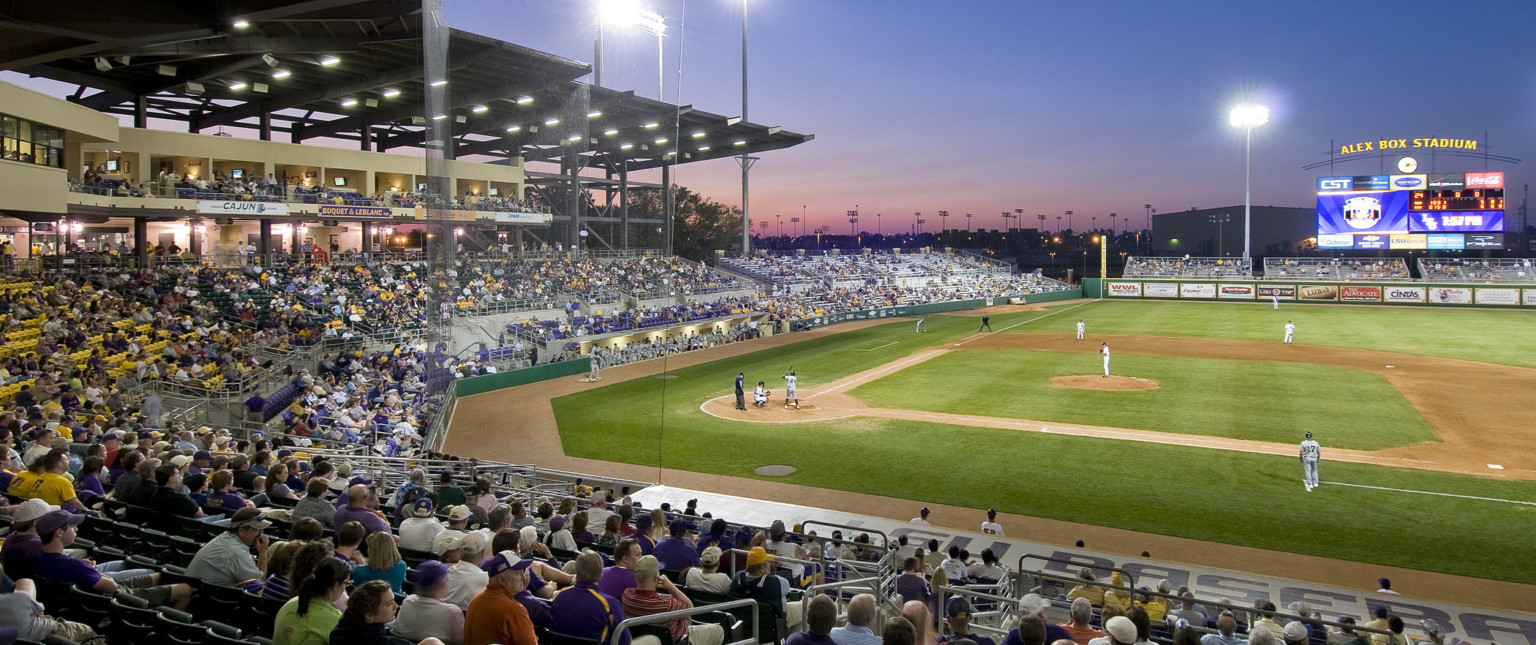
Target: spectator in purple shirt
820,619
22,547
583,610
675,551
621,575
358,510
222,492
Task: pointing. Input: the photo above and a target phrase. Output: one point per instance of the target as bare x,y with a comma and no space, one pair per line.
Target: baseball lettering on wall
1125,289
1237,291
1317,292
1197,290
1360,294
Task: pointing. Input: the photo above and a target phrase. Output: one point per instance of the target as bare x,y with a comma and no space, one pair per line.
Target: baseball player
1276,298
1104,350
789,390
1310,451
1290,330
991,527
596,360
922,517
921,325
760,395
1081,329
986,323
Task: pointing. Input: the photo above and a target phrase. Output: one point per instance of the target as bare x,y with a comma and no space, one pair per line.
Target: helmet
1309,435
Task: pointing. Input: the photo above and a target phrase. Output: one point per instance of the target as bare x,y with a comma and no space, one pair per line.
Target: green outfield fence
1426,294
524,376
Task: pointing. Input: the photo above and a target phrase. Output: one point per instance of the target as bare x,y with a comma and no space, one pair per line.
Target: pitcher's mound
1100,382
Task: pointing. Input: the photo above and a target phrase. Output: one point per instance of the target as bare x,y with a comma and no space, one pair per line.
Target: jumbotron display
1448,212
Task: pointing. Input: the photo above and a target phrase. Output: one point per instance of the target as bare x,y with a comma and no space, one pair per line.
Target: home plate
1391,366
1496,466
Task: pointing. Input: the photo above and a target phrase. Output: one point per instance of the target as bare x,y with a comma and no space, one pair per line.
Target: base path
518,425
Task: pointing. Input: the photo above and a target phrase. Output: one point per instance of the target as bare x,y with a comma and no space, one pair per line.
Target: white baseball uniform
597,365
1080,329
992,528
1105,351
1310,451
920,326
1276,298
1290,329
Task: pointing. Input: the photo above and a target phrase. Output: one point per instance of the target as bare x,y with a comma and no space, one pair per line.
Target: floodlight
478,109
391,93
629,13
551,121
166,70
610,132
241,24
439,82
281,74
269,59
514,128
237,85
194,88
348,102
327,61
524,100
594,114
1249,115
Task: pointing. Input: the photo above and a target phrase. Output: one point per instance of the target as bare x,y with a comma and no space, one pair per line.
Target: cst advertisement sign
1381,212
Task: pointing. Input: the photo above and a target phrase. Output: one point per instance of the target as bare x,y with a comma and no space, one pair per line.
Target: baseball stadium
329,322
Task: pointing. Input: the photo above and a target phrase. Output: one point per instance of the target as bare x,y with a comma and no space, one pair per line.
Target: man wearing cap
57,531
200,462
644,600
458,517
860,627
167,499
706,576
424,614
922,517
621,575
597,514
1035,605
495,615
357,510
1118,630
465,577
957,613
22,547
226,560
582,610
758,582
779,545
991,527
675,551
420,529
1295,633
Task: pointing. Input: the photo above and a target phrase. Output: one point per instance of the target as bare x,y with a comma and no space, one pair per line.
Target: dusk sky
1094,107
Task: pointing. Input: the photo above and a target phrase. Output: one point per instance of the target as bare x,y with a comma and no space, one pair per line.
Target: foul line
1425,492
1025,322
875,348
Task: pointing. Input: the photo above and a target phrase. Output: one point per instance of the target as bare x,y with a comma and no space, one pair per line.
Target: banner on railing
222,207
524,218
444,214
355,211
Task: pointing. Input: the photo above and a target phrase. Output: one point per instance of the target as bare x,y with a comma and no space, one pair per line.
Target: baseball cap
180,461
500,563
430,572
776,530
758,555
423,507
473,542
1295,631
1121,629
557,523
642,522
202,455
1032,604
32,509
360,481
958,607
115,435
458,513
447,541
680,527
56,520
710,556
647,565
249,517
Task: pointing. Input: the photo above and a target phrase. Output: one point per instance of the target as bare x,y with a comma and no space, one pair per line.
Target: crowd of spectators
1336,269
1188,267
1476,270
656,348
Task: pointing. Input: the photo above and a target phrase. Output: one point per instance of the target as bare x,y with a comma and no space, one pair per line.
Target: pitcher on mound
789,390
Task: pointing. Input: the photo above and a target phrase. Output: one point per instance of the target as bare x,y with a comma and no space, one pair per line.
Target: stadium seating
1187,267
1336,269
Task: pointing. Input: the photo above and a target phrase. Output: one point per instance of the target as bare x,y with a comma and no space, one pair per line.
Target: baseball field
1421,413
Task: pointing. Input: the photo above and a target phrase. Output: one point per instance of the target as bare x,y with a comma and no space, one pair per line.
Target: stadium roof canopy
351,70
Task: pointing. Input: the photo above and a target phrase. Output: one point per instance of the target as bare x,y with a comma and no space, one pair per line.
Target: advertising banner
1335,241
1281,291
1317,292
1498,296
1448,181
1325,184
1529,297
1373,182
447,215
1236,291
1383,212
1450,295
1409,182
1409,241
1485,180
1371,241
355,211
1457,222
1125,289
1160,290
1485,240
1446,241
1360,294
524,218
263,209
1197,290
1405,294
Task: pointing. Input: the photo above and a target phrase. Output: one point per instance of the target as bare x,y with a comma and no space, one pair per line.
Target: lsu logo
1362,212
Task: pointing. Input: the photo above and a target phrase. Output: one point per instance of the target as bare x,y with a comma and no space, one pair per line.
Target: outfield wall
1367,293
524,376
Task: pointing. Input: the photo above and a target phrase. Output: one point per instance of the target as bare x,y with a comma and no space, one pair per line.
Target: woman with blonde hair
383,563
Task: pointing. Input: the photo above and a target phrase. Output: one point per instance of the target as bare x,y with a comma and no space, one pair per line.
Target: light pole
877,225
944,221
1041,217
745,160
967,222
1006,215
1058,223
1248,116
1069,220
1053,262
780,218
792,222
918,227
1018,217
1220,220
1112,224
1095,219
853,221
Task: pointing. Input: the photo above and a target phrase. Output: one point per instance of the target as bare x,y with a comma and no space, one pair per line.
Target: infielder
789,390
1290,330
1104,350
921,327
1310,451
596,360
1081,329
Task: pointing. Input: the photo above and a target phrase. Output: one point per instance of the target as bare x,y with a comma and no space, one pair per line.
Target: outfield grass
1489,335
1236,498
1260,400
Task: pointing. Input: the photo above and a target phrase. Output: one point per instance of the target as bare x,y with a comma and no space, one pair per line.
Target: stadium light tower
621,14
1248,116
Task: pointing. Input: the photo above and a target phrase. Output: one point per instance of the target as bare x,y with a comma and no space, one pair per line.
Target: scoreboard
1439,211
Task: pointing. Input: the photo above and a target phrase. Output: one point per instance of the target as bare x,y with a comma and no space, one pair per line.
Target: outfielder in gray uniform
1310,452
789,390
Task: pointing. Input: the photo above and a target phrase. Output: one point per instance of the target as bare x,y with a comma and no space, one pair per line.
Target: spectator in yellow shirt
44,480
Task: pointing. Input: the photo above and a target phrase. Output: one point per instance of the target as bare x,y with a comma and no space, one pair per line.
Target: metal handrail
1130,579
652,619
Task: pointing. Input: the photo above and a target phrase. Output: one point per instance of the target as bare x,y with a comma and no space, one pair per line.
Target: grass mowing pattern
1257,400
1488,335
1235,498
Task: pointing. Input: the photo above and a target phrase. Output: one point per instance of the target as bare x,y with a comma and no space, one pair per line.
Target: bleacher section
1188,267
1493,270
1337,269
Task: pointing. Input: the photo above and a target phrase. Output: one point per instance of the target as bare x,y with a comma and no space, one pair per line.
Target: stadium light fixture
706,149
594,114
661,140
348,102
439,117
1248,116
103,64
626,146
478,109
329,61
552,121
391,93
241,24
699,134
236,86
524,100
629,13
514,128
574,137
610,132
439,82
652,125
281,74
740,142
